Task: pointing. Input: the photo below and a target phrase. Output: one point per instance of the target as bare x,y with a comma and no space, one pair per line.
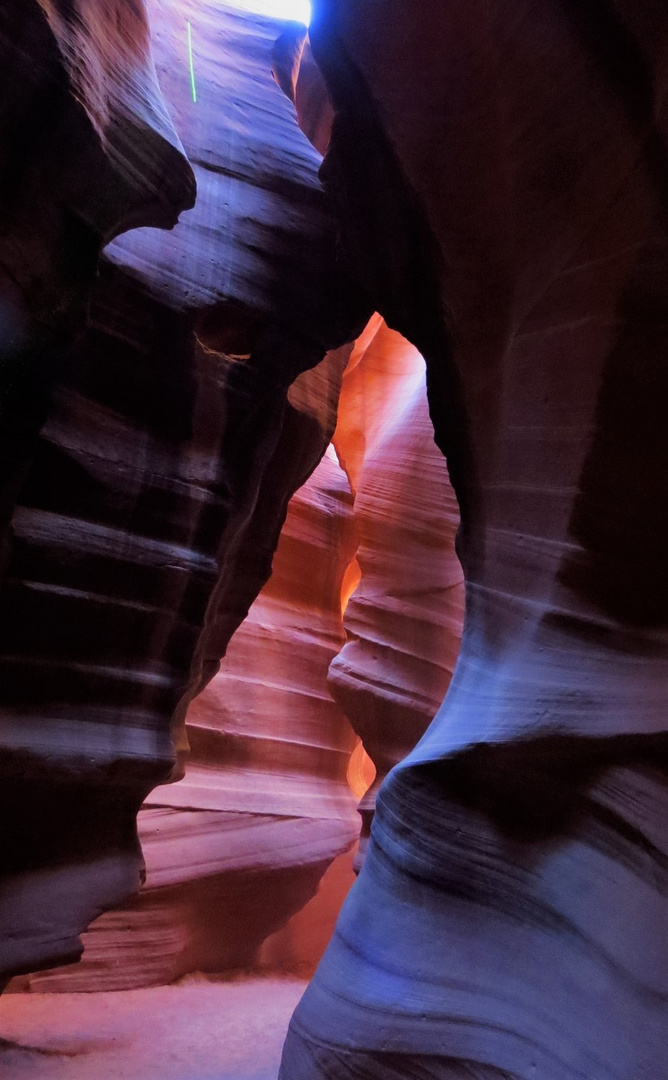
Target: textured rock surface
500,173
405,616
146,522
264,805
88,151
240,844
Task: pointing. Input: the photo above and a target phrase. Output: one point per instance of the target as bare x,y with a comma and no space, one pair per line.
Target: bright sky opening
296,10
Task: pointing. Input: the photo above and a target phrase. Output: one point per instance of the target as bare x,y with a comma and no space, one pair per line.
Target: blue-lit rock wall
500,179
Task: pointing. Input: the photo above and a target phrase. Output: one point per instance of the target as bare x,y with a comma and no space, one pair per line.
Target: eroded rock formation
405,615
145,521
500,179
241,843
88,151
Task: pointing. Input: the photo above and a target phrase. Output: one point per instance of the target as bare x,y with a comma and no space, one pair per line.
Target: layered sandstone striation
147,515
405,614
242,841
499,173
88,151
234,849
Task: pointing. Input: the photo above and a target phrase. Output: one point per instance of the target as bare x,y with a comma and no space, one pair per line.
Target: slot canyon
334,540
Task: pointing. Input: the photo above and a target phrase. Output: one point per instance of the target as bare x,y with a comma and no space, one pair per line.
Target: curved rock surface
500,179
88,151
240,844
145,524
405,616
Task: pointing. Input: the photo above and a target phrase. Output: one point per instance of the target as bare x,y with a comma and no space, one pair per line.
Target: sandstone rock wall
241,842
404,617
146,519
501,187
88,151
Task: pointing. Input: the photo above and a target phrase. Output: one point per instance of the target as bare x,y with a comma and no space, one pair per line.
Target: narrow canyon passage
235,849
264,816
333,521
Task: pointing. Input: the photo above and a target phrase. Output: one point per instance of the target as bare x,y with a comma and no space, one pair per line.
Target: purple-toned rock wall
145,516
500,179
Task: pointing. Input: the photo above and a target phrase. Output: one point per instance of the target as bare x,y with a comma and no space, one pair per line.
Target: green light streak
192,69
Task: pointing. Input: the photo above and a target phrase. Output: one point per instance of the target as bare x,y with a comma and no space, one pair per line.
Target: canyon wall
145,515
498,175
404,618
500,182
88,151
241,842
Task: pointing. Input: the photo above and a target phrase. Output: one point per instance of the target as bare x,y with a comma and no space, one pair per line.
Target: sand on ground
198,1029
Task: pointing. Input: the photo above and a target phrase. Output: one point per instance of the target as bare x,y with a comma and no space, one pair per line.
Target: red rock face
404,617
145,521
241,843
500,179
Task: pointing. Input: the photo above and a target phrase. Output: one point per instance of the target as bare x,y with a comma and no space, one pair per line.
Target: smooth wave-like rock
269,749
240,844
404,618
500,178
146,521
88,151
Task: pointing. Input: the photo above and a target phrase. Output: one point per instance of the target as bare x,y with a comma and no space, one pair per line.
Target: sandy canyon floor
199,1029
